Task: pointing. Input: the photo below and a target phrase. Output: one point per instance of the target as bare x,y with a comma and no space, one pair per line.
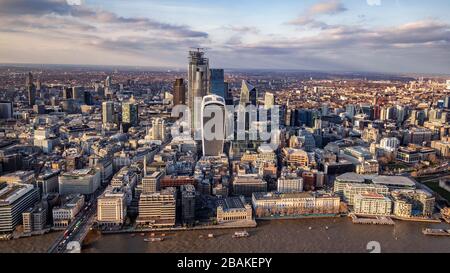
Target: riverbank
232,225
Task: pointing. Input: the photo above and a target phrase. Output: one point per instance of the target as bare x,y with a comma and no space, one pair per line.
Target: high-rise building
108,112
248,94
67,93
158,131
213,125
188,203
179,92
31,89
198,83
217,83
6,110
130,114
78,93
269,100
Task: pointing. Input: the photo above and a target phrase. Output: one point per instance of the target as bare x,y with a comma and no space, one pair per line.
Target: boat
327,228
436,232
241,234
157,239
133,235
210,235
310,228
142,234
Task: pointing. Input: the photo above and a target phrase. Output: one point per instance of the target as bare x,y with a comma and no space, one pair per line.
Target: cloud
353,48
55,8
374,2
323,8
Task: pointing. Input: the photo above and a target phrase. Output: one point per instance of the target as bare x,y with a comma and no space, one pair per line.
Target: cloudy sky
330,35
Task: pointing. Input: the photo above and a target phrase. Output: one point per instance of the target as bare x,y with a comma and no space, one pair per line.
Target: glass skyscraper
217,82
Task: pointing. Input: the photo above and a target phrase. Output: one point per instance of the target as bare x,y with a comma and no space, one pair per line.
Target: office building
157,209
269,100
213,125
295,157
6,110
247,184
108,112
111,207
158,130
47,182
179,92
130,114
294,204
83,181
152,183
198,84
31,89
389,143
64,214
372,204
217,83
290,184
34,218
15,198
188,204
248,94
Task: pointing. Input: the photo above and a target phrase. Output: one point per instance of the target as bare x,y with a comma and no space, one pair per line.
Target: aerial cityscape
325,132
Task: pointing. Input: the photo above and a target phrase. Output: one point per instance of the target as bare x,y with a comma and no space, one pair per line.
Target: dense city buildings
102,150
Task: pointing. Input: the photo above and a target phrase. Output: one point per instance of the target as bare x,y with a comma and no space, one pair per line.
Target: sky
392,36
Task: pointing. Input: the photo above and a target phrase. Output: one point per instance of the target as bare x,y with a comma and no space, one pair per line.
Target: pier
372,220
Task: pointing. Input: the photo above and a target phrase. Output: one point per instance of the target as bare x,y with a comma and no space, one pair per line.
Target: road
79,227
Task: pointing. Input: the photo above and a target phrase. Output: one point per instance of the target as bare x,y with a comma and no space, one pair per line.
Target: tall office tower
6,110
217,83
130,114
67,93
447,102
350,110
400,113
269,100
31,89
29,79
87,97
188,204
198,83
179,92
108,81
108,112
448,84
213,125
78,93
158,131
248,94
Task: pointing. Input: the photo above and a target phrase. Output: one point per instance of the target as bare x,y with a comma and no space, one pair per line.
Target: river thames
291,236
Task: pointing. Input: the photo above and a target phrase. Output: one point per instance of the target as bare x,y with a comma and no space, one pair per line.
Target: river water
291,236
